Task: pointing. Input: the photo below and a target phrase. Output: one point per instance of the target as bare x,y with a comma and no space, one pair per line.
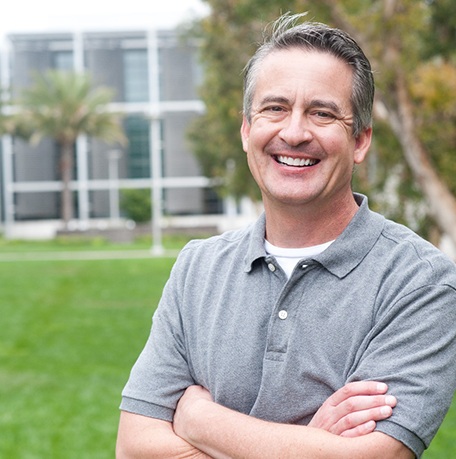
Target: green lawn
70,334
71,331
444,444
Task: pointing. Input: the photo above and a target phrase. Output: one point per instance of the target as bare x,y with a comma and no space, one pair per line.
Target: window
136,76
63,60
137,130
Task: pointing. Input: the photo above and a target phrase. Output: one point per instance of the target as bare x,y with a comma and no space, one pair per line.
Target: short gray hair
314,36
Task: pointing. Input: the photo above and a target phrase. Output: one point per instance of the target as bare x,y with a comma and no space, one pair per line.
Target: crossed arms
342,428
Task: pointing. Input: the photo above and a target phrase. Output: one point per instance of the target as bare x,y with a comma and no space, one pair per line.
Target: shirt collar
255,249
355,242
344,254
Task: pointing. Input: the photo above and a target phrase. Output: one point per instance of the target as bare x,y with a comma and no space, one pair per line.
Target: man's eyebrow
315,103
318,103
274,99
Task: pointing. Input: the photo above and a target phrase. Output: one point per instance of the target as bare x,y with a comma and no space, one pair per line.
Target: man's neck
305,226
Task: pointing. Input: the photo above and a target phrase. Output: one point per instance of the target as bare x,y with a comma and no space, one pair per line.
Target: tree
62,106
7,124
416,95
415,104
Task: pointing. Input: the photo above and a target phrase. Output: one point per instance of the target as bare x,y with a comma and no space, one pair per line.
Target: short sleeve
412,348
161,374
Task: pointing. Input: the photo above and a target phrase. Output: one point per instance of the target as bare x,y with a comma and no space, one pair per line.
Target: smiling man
300,145
324,330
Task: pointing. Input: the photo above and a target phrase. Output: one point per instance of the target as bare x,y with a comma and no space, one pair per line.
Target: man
280,340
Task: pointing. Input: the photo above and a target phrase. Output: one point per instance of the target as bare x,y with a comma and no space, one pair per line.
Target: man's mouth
295,162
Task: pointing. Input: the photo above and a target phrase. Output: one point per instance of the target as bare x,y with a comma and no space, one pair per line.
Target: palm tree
63,105
7,122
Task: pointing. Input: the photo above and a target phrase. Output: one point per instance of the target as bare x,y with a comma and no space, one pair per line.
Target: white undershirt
288,258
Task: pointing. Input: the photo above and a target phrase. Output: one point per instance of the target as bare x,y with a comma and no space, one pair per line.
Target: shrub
136,204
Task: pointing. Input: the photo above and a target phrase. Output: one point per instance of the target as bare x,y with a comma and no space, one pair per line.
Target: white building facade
155,76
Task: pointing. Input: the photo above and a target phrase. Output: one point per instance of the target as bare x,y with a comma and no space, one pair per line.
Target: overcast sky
58,15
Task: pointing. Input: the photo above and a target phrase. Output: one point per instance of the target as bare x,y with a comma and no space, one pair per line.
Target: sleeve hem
402,434
146,409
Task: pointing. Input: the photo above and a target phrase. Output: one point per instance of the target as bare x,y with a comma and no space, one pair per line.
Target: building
155,76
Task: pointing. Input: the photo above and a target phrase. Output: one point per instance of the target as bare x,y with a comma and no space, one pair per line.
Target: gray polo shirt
379,303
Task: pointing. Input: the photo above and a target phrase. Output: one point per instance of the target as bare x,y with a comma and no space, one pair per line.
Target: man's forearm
143,437
223,433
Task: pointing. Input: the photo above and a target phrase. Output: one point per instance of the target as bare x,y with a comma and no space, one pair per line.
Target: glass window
63,60
136,76
137,130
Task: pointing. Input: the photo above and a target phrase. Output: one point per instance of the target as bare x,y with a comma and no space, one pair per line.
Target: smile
295,162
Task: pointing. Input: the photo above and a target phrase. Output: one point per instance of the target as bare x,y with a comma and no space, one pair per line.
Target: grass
69,244
71,331
444,444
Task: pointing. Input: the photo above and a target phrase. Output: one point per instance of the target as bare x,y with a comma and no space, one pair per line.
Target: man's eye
324,115
274,108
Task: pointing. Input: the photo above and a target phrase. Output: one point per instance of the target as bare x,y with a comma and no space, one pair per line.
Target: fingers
359,415
358,388
354,409
358,431
365,403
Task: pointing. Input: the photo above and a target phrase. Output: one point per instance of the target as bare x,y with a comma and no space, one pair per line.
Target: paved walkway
86,255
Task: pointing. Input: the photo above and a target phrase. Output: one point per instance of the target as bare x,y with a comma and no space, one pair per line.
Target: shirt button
271,267
283,314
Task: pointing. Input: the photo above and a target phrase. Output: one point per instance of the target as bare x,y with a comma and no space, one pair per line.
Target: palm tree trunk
66,166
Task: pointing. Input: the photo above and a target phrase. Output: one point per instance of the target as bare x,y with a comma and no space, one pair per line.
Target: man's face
299,143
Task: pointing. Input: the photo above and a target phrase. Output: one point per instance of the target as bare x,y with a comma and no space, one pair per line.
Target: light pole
155,144
113,174
157,189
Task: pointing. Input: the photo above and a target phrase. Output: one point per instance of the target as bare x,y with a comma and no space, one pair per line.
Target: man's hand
353,410
226,434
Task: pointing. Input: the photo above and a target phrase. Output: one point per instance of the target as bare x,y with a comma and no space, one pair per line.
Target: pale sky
60,16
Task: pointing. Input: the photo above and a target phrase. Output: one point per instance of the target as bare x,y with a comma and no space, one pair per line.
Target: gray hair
315,36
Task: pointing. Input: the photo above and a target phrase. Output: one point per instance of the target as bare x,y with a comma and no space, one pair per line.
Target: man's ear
362,145
245,133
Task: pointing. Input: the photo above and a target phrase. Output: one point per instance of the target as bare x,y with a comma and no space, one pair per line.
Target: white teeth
299,162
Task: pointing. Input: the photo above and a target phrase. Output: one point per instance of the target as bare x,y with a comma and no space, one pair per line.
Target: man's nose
296,130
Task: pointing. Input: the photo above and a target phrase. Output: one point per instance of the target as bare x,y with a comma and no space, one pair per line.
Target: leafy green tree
62,106
394,33
414,108
440,36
